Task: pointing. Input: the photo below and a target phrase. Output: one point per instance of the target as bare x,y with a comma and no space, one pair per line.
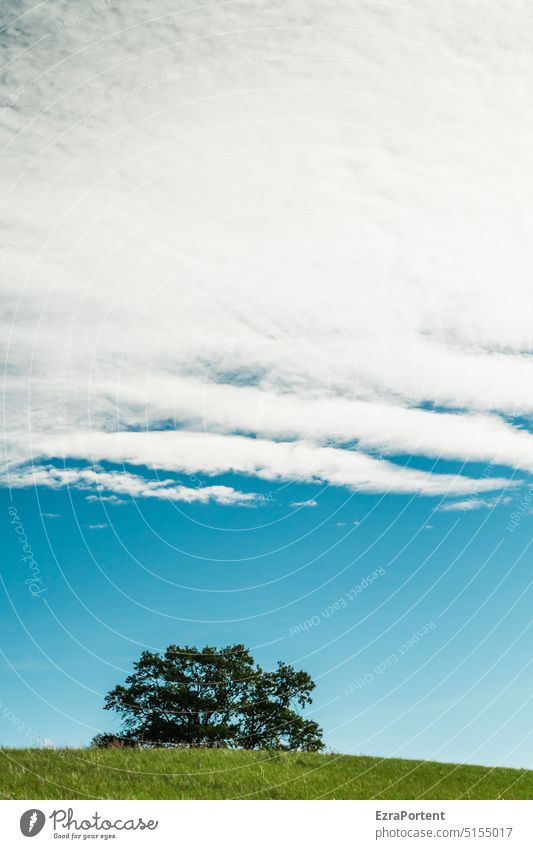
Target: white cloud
98,527
110,499
215,454
376,426
310,503
474,504
192,243
128,484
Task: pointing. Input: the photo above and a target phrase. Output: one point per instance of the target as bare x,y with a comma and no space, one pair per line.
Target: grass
223,774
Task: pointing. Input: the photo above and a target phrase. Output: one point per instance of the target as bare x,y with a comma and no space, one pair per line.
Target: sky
266,331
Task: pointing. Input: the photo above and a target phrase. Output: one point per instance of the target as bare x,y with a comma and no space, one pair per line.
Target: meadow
226,774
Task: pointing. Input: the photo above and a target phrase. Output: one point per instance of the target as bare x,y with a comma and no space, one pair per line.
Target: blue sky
120,578
266,331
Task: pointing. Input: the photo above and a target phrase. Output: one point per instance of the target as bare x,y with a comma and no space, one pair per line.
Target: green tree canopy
212,697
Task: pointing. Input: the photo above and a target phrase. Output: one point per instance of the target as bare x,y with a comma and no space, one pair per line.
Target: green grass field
223,774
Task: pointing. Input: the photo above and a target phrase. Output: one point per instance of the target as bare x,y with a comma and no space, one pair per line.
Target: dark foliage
211,697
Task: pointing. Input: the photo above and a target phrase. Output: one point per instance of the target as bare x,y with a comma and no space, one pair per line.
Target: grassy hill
223,774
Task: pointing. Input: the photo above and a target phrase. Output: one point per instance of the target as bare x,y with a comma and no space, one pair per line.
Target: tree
212,697
267,718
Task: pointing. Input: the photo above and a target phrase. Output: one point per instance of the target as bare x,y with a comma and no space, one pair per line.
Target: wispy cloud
108,499
474,504
126,484
215,454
